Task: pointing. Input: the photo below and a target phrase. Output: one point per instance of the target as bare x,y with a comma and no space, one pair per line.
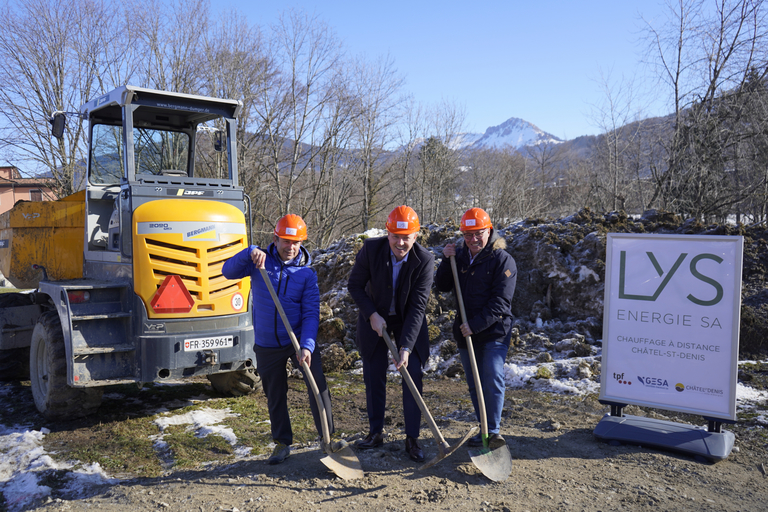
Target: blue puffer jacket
296,285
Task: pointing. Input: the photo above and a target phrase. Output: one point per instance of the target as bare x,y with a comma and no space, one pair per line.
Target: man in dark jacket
390,283
487,276
295,282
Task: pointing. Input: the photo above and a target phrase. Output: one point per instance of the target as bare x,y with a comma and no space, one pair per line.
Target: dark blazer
487,287
370,285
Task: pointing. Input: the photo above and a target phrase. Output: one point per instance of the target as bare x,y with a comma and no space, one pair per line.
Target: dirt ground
558,464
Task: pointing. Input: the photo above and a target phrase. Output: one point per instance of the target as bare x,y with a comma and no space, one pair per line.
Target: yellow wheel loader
127,272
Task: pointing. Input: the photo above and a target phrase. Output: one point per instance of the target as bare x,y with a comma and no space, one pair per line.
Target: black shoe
371,440
413,450
496,441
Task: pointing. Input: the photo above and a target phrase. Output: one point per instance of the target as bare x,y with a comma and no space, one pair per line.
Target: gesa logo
668,276
653,382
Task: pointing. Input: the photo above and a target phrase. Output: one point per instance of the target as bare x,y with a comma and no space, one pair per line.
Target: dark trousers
270,363
375,377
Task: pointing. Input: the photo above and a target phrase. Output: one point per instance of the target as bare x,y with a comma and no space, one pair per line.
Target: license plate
209,343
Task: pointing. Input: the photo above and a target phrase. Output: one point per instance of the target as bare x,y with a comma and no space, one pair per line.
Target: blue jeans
490,357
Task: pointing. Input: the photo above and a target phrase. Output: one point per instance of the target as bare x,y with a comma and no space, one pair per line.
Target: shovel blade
496,464
344,463
445,450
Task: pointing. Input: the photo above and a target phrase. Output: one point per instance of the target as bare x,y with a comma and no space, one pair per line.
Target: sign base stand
666,435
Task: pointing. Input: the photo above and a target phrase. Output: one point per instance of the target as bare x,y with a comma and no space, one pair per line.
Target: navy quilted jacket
487,286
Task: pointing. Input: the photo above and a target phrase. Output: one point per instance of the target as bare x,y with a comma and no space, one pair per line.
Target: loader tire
14,363
238,383
54,398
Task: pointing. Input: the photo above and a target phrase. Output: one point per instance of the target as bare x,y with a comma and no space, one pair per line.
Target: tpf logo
620,379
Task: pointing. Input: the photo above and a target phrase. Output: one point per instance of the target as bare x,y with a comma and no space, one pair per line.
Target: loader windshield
156,152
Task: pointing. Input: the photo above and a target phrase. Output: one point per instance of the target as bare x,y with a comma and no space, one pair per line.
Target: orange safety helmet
475,219
291,227
403,221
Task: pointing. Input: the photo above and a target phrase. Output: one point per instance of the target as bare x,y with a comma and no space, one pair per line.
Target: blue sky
537,60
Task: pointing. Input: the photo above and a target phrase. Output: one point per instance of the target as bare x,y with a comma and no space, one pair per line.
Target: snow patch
203,421
585,272
23,461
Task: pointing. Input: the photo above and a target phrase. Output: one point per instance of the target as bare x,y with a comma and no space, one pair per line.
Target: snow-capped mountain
513,132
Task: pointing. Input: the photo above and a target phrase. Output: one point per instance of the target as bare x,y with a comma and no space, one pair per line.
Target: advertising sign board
671,322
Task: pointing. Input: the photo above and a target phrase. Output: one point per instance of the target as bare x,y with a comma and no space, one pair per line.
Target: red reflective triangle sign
172,297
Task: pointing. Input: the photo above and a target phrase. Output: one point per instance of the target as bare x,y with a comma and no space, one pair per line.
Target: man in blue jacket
295,282
487,276
390,283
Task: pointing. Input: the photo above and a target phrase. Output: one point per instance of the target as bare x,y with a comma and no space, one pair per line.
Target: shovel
340,459
496,464
443,448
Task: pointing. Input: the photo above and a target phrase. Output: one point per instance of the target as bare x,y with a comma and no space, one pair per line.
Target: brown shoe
371,440
413,450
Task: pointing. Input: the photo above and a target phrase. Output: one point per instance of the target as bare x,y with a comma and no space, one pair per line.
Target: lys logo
667,275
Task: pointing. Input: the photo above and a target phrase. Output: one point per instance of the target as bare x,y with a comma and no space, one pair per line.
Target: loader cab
159,144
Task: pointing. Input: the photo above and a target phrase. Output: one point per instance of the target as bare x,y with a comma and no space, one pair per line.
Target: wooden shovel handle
472,360
415,392
304,366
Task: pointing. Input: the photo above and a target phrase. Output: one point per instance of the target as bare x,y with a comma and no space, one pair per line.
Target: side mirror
57,124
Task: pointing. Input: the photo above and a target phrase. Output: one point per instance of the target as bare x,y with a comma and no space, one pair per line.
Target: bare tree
235,66
704,53
332,183
502,182
409,131
377,89
172,44
617,118
293,108
751,162
439,160
49,62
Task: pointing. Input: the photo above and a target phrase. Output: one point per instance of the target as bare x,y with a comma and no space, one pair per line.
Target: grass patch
118,446
342,385
190,451
119,438
251,425
14,290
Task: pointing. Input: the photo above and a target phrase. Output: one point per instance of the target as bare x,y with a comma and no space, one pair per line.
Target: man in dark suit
390,283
